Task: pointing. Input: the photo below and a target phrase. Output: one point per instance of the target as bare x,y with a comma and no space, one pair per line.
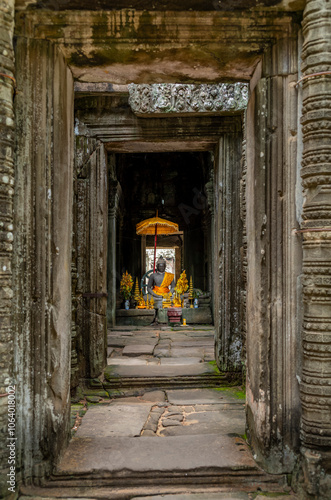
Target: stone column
210,189
7,84
273,260
113,205
316,234
227,261
92,222
42,254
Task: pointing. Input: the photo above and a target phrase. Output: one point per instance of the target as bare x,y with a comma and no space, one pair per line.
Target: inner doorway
174,184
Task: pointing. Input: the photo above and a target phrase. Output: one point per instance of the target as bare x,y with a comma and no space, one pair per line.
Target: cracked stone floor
158,431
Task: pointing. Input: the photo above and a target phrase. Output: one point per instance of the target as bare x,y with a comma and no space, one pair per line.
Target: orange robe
164,287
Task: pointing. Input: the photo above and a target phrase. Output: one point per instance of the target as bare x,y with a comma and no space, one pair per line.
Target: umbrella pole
155,239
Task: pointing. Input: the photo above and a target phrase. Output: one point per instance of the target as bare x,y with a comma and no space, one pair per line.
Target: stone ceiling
124,46
162,5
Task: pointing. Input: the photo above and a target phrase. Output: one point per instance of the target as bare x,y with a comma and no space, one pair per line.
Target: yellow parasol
156,226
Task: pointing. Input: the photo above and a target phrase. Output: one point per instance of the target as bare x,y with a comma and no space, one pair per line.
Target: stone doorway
174,185
210,145
260,46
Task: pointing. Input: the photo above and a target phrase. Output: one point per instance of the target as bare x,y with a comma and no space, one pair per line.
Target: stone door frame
273,433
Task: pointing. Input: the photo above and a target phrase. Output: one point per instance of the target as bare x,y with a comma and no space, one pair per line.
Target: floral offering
182,284
126,285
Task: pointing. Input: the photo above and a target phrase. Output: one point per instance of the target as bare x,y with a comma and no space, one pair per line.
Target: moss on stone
233,391
115,393
110,373
214,366
91,393
95,382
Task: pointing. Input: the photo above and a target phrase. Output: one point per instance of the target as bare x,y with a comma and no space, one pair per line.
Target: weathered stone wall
316,235
273,260
7,138
42,251
227,258
91,223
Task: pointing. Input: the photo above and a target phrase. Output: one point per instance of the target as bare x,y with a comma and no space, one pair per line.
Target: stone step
168,382
54,489
247,480
164,376
131,465
113,372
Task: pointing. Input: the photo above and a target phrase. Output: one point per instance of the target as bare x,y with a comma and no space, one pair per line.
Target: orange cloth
164,288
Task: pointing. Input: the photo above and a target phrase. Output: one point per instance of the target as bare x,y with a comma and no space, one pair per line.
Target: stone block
170,423
174,314
180,361
114,420
135,317
201,315
137,350
127,361
162,316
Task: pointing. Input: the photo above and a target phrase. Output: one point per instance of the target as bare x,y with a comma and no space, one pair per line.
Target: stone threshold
167,382
92,492
167,483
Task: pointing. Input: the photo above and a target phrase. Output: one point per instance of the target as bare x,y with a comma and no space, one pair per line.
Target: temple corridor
164,421
215,116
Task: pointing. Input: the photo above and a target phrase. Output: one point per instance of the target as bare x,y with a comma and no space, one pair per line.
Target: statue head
161,264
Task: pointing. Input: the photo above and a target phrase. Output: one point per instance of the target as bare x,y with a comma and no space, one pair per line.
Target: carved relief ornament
175,98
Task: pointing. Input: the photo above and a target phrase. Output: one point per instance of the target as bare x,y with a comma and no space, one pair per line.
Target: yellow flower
126,285
182,284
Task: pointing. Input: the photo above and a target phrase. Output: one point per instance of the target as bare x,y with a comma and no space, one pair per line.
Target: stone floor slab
114,420
180,361
162,352
117,342
126,361
199,396
154,396
167,422
190,352
147,454
235,405
206,343
210,422
137,349
238,495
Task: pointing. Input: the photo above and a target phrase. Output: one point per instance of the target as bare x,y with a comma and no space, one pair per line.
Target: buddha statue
160,283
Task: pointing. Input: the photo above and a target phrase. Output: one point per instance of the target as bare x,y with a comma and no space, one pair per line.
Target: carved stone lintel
174,98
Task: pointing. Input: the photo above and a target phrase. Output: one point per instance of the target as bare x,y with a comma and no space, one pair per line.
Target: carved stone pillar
227,265
92,223
42,254
243,250
273,261
316,233
7,83
209,190
113,205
